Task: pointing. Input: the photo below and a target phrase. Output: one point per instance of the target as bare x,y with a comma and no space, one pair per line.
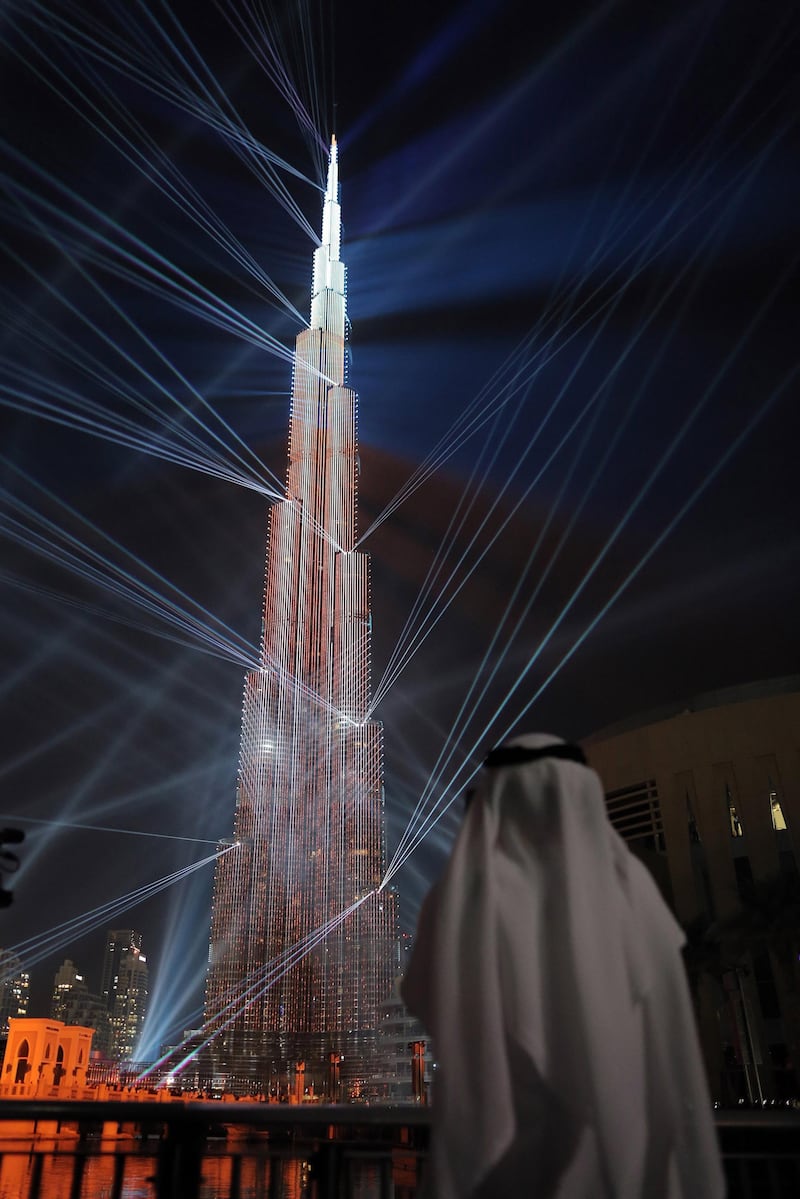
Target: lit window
778,821
735,822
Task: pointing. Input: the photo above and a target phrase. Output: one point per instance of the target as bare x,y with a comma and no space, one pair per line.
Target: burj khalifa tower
302,939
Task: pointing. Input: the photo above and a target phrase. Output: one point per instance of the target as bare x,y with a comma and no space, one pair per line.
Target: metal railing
761,1152
218,1150
204,1149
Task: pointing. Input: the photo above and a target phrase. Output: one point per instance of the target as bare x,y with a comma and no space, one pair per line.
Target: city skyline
632,167
111,997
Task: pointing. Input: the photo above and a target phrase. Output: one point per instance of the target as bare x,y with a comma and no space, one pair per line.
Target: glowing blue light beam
107,828
98,44
262,44
98,567
62,405
35,949
255,985
477,412
665,458
408,643
148,267
119,350
446,756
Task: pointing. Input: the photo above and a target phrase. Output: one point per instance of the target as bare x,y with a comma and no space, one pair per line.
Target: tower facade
130,1004
15,984
124,988
300,953
67,984
119,943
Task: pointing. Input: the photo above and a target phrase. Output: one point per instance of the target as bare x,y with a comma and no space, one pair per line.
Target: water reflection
283,1177
47,1170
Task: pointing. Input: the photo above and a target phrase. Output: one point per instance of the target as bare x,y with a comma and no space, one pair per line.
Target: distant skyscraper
404,1048
67,984
15,985
125,989
309,828
119,941
73,1003
130,1004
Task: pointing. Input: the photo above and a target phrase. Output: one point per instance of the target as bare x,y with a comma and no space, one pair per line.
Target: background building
68,983
119,941
124,989
45,1059
708,794
72,1003
301,942
405,1068
15,985
130,1004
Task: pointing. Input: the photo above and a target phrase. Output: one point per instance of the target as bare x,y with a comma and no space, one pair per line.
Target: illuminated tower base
289,979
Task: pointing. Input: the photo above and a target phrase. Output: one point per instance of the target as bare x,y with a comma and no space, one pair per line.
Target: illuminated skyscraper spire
309,827
328,282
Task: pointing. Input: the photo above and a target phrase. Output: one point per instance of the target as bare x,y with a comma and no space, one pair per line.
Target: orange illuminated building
308,840
45,1059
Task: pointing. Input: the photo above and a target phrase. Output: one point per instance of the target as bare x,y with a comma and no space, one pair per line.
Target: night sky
570,233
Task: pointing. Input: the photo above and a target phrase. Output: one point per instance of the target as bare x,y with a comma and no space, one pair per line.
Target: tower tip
332,187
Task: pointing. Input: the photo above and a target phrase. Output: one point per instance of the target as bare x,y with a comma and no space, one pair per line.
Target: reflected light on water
45,1169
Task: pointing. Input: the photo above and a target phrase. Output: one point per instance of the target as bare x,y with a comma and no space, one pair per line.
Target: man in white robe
547,969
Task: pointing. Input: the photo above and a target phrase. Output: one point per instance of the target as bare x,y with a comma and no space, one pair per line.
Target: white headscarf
547,969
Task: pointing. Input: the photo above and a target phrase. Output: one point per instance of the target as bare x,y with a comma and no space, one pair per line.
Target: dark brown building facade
708,795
